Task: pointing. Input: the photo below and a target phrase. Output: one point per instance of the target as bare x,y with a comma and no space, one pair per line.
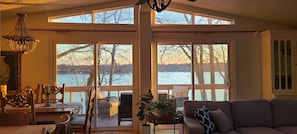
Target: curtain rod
157,31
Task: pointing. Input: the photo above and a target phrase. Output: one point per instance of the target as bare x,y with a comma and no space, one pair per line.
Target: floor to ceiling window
115,82
206,70
74,62
210,69
106,66
200,69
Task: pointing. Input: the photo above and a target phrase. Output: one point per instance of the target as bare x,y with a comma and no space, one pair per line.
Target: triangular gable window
82,18
201,19
172,17
117,16
180,18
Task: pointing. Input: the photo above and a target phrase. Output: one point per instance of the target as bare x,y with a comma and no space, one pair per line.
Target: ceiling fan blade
139,2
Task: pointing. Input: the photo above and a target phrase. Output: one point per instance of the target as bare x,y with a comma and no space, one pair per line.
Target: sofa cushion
288,129
258,130
251,113
191,106
202,116
221,121
284,112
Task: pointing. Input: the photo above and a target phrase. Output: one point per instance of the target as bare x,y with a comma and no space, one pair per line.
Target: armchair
179,95
107,106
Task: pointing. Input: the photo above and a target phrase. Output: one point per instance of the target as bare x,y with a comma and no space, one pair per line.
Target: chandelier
157,5
20,39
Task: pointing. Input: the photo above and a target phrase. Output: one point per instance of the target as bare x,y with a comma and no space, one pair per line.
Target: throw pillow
202,116
221,121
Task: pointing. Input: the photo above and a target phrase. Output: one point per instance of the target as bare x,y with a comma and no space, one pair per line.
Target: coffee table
173,120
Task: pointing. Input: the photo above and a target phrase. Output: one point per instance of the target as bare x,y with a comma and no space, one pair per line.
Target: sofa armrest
192,126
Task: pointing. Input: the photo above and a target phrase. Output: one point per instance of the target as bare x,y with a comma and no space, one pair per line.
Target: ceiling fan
157,5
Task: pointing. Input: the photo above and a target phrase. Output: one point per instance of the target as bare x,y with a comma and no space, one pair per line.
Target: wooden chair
64,126
15,119
83,123
45,131
22,110
2,104
56,93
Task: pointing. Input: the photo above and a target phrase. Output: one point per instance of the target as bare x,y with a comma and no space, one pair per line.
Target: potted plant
163,109
145,103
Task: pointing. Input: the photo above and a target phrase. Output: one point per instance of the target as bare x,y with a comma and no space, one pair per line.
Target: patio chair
107,106
125,108
179,95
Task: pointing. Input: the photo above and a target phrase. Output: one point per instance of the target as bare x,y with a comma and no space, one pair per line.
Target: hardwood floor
112,122
131,132
120,132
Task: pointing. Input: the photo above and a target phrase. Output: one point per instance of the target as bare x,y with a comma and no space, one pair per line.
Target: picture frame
12,59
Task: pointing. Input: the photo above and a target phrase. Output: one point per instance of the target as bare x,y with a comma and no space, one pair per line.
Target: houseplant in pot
163,109
144,104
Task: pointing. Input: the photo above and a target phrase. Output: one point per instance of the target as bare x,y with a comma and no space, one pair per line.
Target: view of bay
126,79
170,78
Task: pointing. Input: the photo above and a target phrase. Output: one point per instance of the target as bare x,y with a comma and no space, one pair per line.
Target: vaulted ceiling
274,11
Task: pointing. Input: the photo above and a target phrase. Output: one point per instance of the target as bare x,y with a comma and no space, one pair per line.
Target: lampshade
20,39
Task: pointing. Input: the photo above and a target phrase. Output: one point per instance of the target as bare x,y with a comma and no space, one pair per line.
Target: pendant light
20,39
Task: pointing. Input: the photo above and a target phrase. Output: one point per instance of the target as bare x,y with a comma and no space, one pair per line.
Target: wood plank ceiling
274,11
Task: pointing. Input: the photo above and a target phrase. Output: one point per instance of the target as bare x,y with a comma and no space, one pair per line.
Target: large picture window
183,18
209,72
109,67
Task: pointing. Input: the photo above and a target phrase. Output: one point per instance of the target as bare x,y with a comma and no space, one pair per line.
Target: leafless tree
202,54
114,17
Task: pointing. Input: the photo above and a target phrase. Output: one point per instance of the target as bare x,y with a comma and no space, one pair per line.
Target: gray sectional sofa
276,116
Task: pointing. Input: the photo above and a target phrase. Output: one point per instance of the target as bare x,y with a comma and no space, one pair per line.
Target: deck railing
202,92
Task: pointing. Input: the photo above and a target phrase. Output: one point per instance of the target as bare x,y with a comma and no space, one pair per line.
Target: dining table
27,129
71,108
51,113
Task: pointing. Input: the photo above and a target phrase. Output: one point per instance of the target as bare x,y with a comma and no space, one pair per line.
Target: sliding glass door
109,67
210,71
202,67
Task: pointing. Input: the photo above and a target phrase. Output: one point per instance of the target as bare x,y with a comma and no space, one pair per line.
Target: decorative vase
4,71
146,129
47,99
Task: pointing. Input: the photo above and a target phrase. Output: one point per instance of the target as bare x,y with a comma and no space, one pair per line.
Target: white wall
37,67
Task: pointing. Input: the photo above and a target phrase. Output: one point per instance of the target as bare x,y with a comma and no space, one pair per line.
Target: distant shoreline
127,68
